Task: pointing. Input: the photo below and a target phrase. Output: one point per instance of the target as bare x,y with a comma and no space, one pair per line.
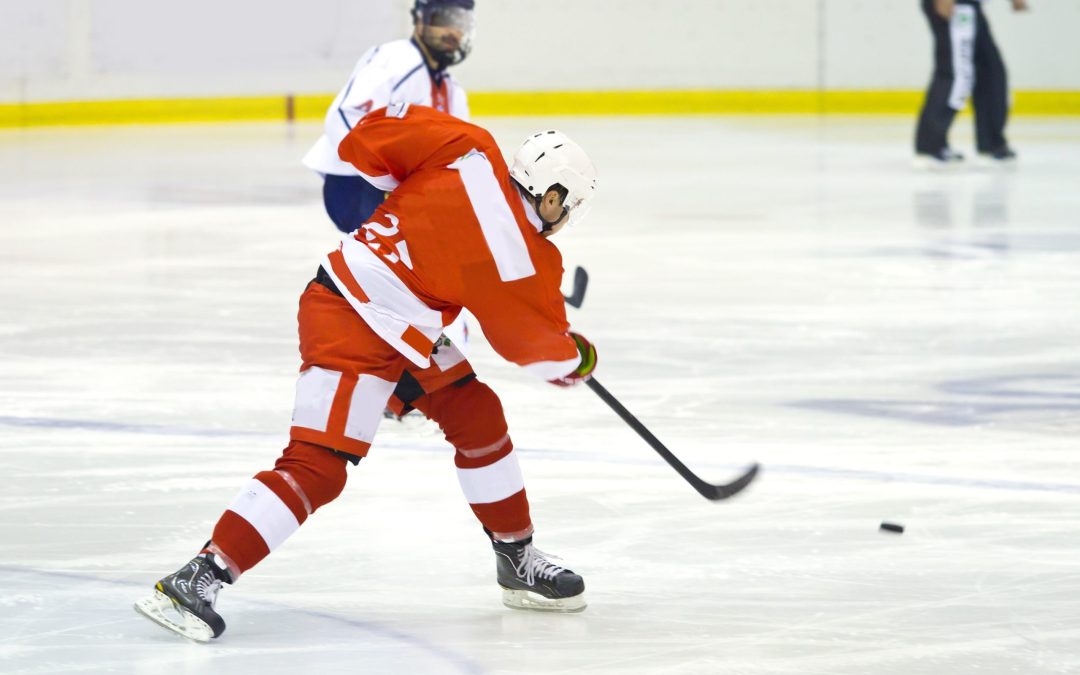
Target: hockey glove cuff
585,368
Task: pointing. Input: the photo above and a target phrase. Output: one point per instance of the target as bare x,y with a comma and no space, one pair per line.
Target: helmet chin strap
535,202
444,59
548,224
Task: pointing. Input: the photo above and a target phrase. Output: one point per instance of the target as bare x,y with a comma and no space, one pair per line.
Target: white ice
889,344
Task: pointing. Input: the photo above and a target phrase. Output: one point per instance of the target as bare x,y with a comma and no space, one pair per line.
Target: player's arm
525,323
390,144
369,89
373,148
560,357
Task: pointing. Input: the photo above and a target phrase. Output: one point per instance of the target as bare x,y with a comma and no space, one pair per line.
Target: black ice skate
942,159
530,581
183,602
1002,155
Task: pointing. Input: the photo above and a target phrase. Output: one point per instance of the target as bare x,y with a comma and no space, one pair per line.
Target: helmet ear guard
551,160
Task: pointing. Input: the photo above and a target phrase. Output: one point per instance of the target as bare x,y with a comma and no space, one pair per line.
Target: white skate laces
534,563
207,588
206,585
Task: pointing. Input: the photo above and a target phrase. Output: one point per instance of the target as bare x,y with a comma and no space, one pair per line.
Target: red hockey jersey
454,232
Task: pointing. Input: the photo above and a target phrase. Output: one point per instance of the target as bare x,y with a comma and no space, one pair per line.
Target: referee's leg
991,95
931,134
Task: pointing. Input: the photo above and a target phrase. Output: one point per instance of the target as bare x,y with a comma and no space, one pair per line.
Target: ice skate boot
530,581
183,602
945,158
1002,156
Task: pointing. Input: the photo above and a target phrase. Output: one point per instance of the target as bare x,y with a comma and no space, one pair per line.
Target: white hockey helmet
549,158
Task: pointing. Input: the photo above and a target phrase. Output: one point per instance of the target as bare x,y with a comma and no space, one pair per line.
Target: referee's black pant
966,63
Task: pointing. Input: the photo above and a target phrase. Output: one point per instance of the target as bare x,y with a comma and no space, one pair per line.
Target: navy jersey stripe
343,99
407,76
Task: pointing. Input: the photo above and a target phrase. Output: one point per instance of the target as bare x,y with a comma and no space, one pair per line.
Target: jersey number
388,241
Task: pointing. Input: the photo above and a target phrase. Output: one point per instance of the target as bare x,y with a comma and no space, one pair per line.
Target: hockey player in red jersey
459,229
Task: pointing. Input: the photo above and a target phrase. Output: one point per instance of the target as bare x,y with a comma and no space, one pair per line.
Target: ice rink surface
890,344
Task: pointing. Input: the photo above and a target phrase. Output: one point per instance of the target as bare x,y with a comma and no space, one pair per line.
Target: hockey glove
585,368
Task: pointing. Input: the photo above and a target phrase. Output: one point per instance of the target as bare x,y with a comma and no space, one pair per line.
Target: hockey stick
581,280
706,490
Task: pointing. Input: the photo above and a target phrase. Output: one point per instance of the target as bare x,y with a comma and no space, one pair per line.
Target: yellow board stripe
705,102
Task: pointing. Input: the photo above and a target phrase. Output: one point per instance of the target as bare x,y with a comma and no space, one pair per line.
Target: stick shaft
640,428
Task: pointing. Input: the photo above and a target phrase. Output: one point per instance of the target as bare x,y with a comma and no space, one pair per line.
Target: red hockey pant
347,378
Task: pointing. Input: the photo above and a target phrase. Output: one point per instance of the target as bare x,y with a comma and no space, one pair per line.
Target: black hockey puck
892,527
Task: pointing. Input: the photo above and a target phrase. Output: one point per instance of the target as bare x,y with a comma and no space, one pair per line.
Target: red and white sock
274,504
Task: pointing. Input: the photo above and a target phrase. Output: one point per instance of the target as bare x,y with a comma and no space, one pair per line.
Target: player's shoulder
397,58
443,121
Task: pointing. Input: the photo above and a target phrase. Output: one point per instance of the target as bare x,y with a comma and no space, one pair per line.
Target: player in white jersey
412,70
403,71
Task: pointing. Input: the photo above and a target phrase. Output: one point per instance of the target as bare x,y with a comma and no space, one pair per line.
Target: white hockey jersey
395,72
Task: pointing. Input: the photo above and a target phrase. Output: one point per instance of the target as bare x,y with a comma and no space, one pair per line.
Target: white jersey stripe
369,399
379,281
492,483
385,183
397,308
549,370
315,391
497,221
962,38
264,510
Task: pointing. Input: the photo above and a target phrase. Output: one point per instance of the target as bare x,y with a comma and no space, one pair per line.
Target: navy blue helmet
421,5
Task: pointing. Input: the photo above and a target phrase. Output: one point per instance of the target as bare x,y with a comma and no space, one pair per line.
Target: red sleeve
384,144
525,320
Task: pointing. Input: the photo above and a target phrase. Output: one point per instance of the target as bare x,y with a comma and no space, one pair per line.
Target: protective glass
456,19
577,210
451,17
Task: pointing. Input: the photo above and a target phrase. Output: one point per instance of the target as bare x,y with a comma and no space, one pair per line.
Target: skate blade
922,163
985,162
535,602
160,609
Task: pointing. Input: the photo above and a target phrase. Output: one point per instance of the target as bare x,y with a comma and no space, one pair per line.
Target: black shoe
183,602
530,581
946,157
1002,154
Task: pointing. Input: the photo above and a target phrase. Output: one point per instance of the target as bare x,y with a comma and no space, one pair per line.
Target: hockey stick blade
706,490
581,280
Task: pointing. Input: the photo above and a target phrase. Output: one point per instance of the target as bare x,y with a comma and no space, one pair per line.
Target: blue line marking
576,456
919,479
1027,386
838,473
963,413
153,429
967,402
